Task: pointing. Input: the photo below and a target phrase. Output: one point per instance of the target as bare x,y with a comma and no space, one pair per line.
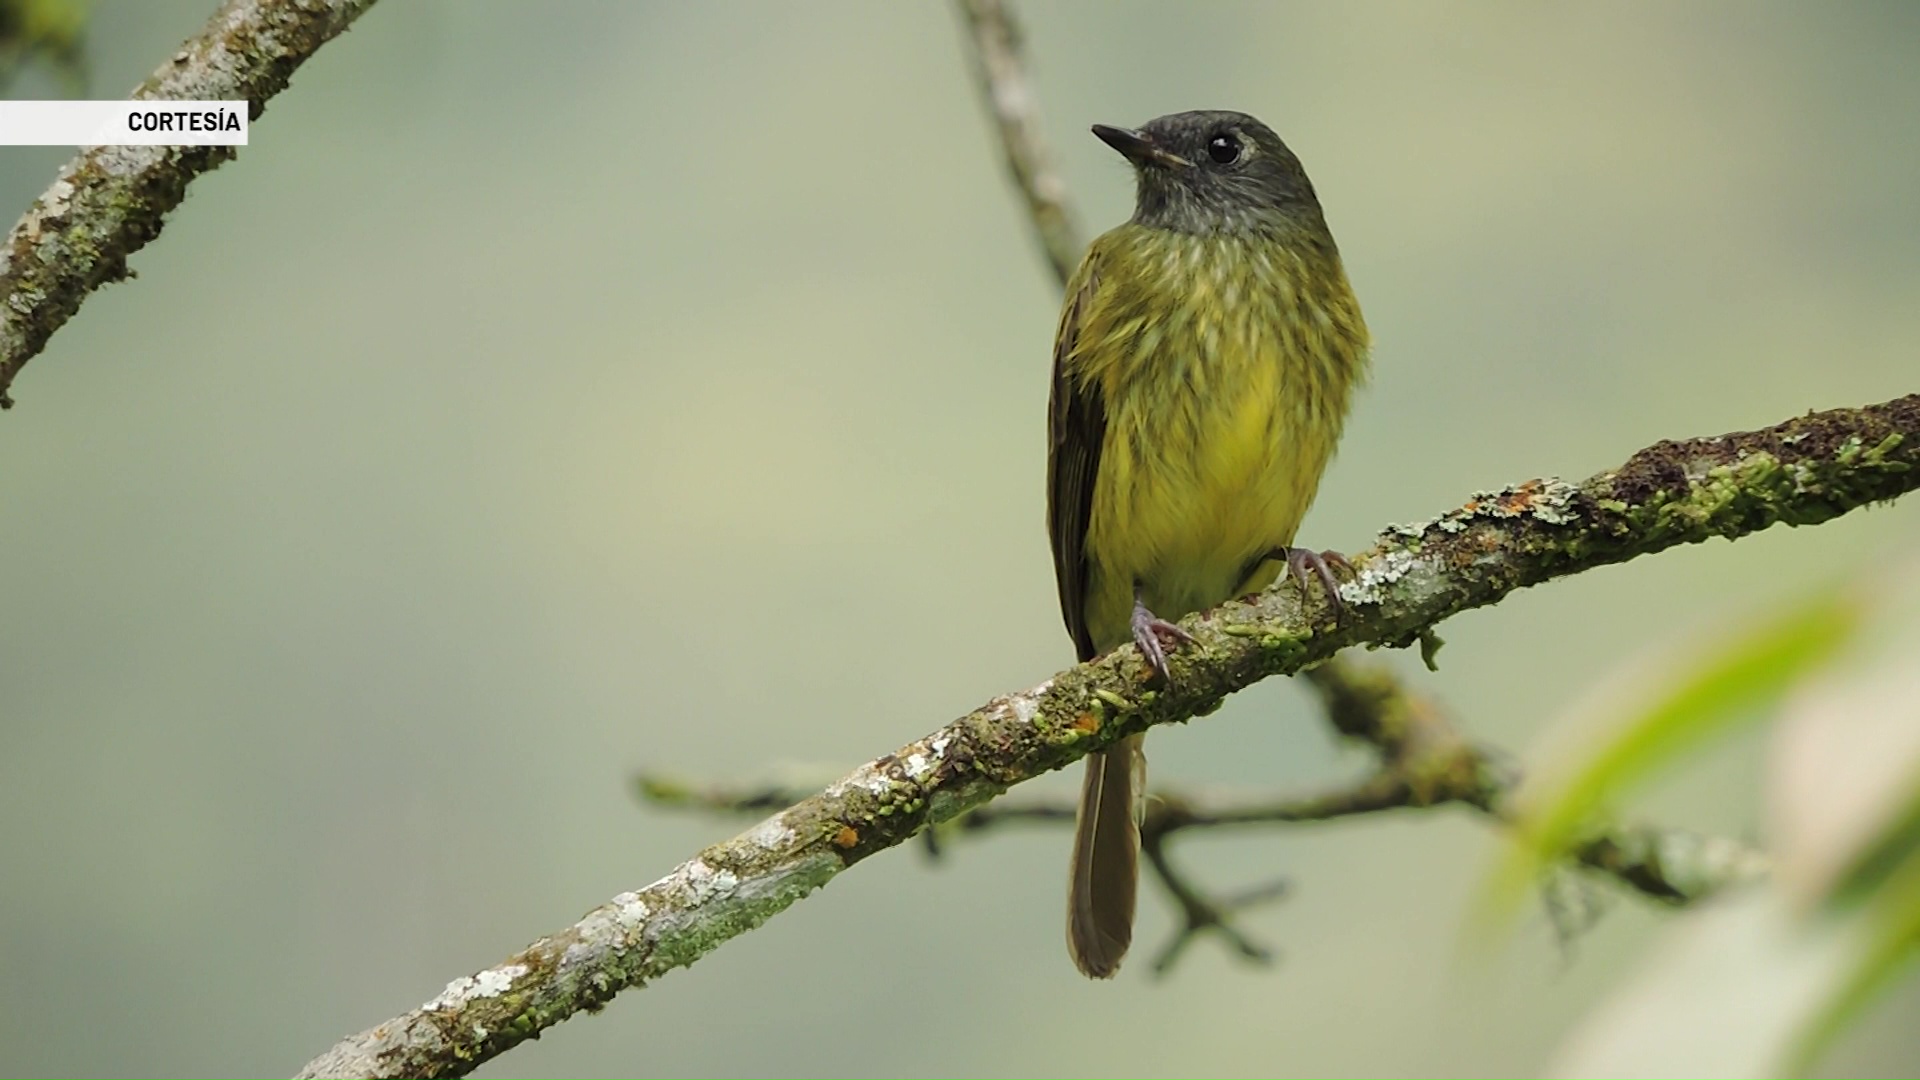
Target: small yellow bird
1201,376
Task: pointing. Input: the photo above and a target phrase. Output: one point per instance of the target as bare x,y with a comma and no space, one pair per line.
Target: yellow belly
1191,493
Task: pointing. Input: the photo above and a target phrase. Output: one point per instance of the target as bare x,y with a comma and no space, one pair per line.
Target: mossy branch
110,201
1804,471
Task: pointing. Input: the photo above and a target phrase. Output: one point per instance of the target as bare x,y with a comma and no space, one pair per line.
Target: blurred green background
555,390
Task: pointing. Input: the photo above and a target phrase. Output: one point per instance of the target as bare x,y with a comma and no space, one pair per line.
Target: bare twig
110,201
1000,67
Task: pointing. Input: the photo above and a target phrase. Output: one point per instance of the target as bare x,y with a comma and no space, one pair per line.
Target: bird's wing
1076,427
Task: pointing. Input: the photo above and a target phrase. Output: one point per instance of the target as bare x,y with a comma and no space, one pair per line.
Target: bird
1207,352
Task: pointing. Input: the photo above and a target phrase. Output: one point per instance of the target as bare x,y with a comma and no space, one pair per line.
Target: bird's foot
1302,562
1152,635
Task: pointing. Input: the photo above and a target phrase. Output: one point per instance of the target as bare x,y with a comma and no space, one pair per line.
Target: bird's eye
1224,149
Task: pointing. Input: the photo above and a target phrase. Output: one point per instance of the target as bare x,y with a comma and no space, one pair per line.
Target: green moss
1285,650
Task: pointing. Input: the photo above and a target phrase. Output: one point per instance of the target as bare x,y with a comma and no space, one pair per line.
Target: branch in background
1000,67
1807,470
1422,751
1423,762
110,201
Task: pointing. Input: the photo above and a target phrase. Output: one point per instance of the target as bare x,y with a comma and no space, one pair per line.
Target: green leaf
1843,785
1886,946
1844,805
1721,995
1763,982
1748,986
1729,684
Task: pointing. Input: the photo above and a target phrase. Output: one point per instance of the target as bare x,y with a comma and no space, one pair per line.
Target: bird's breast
1225,373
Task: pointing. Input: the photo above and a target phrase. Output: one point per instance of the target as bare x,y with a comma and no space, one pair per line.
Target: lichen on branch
110,201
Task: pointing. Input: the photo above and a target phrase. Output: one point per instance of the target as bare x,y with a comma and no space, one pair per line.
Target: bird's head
1214,172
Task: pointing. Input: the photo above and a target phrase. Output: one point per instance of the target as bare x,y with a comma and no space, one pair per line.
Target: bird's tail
1106,859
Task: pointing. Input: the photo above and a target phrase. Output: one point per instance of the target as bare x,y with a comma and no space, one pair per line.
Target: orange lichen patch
1086,723
846,837
1550,501
1519,500
1515,501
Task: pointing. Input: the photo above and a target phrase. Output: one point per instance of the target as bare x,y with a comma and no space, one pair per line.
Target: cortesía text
218,120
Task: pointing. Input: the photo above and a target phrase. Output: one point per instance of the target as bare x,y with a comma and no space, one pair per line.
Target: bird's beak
1139,148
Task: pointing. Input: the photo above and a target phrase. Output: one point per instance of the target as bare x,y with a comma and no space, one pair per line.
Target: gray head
1213,172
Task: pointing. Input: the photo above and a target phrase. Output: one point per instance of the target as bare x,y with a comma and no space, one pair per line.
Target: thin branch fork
1422,762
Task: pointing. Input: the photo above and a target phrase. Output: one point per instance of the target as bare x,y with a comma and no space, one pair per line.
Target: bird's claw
1148,631
1321,564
